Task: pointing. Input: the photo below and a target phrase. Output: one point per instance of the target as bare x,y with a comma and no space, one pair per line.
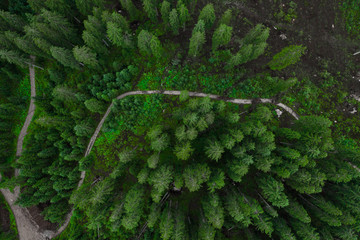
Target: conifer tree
64,56
130,8
206,231
274,191
86,6
156,47
84,55
180,232
150,9
207,14
167,224
13,20
60,24
13,57
221,37
184,15
161,178
165,11
134,203
195,175
226,18
287,56
174,21
213,210
144,39
95,105
43,45
214,150
197,40
183,151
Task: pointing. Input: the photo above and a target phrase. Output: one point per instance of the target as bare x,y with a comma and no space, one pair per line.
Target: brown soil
4,219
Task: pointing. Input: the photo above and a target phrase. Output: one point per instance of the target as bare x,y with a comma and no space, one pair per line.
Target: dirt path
27,228
174,93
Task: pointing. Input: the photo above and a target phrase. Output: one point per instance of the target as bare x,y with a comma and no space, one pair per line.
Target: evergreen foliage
288,56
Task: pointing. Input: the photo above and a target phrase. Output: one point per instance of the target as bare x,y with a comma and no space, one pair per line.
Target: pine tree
118,36
150,9
154,215
95,105
156,47
126,155
86,6
195,175
59,6
160,143
161,178
143,175
207,14
101,192
206,231
165,11
183,151
14,21
144,39
130,8
83,130
213,210
153,160
64,56
214,150
60,24
134,203
274,191
226,18
13,57
167,224
43,44
221,37
287,56
197,40
36,5
304,231
297,211
86,56
180,232
283,230
216,180
184,15
174,21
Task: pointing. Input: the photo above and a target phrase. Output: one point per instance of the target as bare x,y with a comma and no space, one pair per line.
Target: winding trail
27,227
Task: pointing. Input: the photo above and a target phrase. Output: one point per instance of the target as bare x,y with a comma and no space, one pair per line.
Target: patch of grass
351,14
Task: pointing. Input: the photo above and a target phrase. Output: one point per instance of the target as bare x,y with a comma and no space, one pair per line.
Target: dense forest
183,167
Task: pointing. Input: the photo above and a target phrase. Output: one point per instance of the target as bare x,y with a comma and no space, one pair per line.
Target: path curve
27,227
174,93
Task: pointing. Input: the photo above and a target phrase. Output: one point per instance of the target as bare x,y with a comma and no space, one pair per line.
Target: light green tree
174,21
197,41
144,39
84,55
221,37
165,11
287,56
64,56
207,14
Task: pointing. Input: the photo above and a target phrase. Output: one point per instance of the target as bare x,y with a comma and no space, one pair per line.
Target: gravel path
27,227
